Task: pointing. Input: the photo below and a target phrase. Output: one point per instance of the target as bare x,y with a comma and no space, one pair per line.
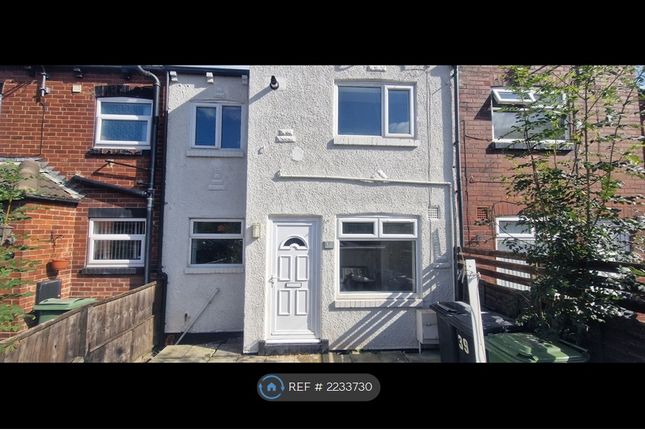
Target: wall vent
433,212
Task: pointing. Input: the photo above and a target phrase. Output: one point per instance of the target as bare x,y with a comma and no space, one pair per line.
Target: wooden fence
118,329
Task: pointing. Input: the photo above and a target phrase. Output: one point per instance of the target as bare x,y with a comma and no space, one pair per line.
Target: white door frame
314,246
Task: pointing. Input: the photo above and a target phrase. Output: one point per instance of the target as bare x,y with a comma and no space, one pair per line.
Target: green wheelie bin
529,348
51,308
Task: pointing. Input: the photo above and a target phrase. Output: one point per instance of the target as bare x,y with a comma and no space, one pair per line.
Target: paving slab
251,359
378,357
173,351
334,357
282,359
424,357
199,352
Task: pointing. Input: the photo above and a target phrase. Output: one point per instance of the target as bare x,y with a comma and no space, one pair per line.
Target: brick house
85,133
484,160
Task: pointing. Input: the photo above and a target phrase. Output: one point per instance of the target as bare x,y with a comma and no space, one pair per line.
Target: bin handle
526,354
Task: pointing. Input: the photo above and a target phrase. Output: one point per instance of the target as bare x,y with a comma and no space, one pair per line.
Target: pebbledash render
312,204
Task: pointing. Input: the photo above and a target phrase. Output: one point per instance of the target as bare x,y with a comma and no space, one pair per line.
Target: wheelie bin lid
491,322
451,308
54,304
528,348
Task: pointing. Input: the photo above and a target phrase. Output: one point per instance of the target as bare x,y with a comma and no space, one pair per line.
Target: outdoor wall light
274,83
256,231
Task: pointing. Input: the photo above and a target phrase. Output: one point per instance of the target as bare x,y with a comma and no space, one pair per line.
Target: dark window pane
112,129
359,111
217,227
114,108
216,251
295,241
514,227
205,126
231,126
399,111
377,265
398,228
539,126
358,228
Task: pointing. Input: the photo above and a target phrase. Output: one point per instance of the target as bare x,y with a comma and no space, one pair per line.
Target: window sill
562,147
111,271
216,153
211,270
375,141
117,151
348,303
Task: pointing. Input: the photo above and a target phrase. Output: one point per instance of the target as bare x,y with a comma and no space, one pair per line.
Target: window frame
91,262
192,236
122,144
218,125
520,105
385,88
379,236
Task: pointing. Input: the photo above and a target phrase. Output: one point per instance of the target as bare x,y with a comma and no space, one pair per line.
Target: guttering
281,175
98,184
151,182
458,190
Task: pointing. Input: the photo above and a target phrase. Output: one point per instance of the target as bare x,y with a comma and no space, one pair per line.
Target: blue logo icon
270,387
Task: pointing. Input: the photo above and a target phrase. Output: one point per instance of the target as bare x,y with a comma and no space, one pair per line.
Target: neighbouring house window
123,122
377,254
506,109
117,242
375,110
215,242
217,126
510,231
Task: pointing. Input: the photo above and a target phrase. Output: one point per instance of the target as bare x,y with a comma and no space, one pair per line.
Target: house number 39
463,343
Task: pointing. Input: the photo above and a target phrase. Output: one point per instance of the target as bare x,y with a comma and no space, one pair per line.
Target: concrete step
265,348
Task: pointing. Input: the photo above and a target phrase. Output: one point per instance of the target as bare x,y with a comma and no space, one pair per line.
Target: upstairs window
375,110
123,122
507,111
217,126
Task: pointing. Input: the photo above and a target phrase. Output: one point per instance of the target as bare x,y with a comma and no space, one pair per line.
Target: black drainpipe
460,201
153,162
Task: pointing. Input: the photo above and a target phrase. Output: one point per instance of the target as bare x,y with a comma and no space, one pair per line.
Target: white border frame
367,220
370,295
511,142
218,126
314,247
91,262
191,236
122,144
384,86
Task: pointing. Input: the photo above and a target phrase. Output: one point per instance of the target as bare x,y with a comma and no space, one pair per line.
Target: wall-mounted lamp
173,76
78,72
274,83
256,231
209,77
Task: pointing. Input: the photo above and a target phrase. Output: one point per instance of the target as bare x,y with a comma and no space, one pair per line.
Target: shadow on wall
368,326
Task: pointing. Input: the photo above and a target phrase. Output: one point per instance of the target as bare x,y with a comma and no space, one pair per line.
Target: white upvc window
506,107
377,256
510,230
374,109
116,242
216,243
123,122
217,126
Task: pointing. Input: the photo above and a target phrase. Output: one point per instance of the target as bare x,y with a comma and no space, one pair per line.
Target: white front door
294,282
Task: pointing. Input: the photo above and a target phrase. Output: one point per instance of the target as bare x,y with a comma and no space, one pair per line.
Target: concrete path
230,351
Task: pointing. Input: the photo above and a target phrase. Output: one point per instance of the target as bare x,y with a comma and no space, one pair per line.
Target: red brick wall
483,166
62,132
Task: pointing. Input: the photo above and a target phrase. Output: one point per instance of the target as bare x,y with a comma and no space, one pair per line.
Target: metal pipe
281,175
194,320
153,162
458,190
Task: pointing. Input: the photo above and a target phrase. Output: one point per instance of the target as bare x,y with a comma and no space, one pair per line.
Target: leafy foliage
575,203
11,266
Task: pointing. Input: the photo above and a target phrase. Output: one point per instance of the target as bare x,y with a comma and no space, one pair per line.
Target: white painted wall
200,187
304,103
